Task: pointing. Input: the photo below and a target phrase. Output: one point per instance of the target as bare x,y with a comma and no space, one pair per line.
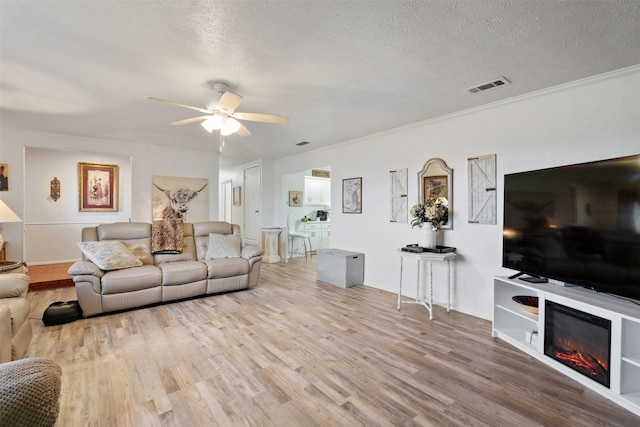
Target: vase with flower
430,215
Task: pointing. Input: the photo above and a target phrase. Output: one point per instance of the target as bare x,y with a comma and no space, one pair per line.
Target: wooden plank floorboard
298,352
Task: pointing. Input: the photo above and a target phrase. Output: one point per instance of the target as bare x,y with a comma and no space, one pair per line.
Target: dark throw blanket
166,236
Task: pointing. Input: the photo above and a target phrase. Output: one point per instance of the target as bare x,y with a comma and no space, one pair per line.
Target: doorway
252,204
314,185
225,202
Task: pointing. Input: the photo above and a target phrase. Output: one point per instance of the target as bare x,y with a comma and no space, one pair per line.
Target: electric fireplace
578,340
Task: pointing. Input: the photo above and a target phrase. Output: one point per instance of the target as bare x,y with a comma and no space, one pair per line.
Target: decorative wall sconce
55,189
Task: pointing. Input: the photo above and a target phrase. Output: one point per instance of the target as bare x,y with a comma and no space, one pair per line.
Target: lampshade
230,126
212,123
7,215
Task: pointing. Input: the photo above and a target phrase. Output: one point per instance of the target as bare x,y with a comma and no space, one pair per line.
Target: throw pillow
109,254
223,246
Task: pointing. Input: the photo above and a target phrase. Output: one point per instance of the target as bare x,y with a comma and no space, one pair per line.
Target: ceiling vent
489,85
300,144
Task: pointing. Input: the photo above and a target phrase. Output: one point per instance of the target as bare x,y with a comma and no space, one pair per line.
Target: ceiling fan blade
265,118
191,120
243,131
191,107
229,101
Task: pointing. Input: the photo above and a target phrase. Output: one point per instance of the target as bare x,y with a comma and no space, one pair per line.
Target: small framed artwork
352,195
97,187
4,177
435,186
237,200
295,199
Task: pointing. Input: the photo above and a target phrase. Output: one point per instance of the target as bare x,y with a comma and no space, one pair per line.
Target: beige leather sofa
15,327
163,277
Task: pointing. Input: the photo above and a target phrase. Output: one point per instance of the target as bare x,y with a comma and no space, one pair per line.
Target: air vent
300,144
489,85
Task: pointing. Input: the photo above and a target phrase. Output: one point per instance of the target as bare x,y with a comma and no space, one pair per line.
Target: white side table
424,274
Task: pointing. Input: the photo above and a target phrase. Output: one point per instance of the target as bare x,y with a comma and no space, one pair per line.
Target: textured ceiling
339,69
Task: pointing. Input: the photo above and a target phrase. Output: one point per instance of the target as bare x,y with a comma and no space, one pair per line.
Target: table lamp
6,215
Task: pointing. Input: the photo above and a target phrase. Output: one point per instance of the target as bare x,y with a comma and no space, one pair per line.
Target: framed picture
295,198
435,186
352,195
237,196
4,177
97,187
174,197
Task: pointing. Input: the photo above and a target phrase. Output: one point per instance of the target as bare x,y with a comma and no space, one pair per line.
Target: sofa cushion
141,249
223,246
109,254
135,235
181,272
131,279
124,231
226,267
201,231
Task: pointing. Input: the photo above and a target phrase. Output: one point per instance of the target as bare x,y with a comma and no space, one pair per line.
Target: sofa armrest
14,285
5,333
251,251
85,268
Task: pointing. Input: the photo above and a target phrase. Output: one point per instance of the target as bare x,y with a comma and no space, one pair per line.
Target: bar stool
306,239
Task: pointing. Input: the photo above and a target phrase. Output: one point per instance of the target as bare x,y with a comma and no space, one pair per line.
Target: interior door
225,202
252,205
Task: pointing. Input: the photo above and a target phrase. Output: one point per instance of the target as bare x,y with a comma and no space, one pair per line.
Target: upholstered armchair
15,327
29,392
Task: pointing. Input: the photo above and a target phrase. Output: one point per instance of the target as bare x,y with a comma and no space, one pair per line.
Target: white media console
513,324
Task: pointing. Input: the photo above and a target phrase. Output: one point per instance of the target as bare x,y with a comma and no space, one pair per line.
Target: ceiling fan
223,116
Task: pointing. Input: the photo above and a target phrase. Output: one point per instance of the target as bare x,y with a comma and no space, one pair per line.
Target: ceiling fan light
230,126
212,123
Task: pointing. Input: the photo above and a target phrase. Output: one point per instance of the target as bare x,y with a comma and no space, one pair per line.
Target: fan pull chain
221,142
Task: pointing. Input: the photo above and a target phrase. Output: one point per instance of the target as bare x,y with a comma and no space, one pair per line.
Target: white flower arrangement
434,210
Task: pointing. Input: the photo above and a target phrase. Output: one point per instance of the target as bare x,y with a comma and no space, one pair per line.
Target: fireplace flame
568,352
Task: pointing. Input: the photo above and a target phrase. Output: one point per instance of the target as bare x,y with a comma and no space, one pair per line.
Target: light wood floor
296,352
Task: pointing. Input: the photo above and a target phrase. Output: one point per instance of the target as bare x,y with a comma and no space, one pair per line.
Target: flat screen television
577,224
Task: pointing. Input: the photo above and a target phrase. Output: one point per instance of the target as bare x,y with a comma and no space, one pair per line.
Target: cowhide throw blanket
166,236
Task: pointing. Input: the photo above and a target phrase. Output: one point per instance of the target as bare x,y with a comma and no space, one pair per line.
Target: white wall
584,121
61,220
138,162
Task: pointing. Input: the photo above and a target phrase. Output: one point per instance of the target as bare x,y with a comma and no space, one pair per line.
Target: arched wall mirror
436,180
